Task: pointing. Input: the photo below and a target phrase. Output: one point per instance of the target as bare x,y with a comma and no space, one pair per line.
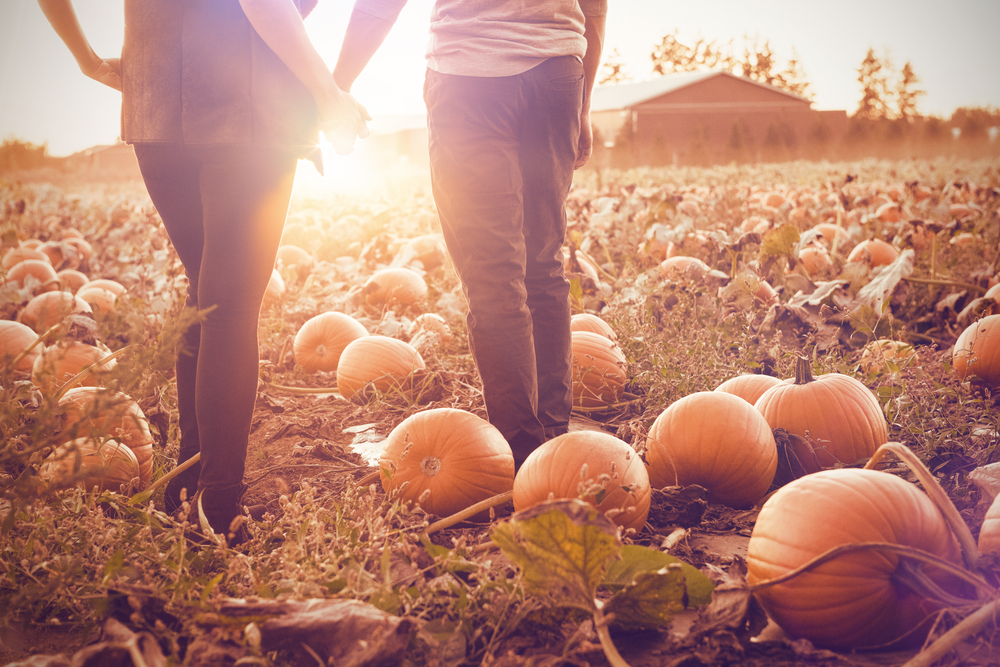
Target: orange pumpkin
60,362
989,533
716,440
748,387
99,299
101,413
446,460
839,414
815,259
112,286
61,255
72,280
595,466
873,252
857,599
321,340
877,353
599,370
977,351
37,270
82,246
888,212
592,323
49,308
684,268
395,286
294,259
15,338
380,361
275,290
432,326
107,465
19,254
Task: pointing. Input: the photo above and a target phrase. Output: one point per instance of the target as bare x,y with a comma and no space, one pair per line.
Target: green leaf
562,548
779,242
637,559
650,600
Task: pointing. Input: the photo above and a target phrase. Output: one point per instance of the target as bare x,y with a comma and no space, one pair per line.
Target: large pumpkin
15,338
748,387
49,308
838,414
383,362
446,460
573,464
107,465
857,599
102,413
321,340
977,351
61,362
599,370
592,323
395,286
715,440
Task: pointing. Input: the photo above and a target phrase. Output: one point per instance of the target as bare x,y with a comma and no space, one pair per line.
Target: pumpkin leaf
636,560
878,292
562,548
650,600
778,242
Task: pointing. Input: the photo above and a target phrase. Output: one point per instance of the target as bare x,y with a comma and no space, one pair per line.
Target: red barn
710,117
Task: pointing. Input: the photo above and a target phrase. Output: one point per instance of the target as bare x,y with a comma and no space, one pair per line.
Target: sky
953,47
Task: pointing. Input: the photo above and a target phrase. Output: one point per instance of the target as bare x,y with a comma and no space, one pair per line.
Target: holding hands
341,119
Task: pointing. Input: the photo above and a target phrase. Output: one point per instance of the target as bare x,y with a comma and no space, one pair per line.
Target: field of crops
862,275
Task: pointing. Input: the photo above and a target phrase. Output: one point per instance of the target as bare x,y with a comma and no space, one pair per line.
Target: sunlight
354,173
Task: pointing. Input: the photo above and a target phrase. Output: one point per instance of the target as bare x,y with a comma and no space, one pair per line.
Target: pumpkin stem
430,466
970,551
472,510
321,350
803,371
969,626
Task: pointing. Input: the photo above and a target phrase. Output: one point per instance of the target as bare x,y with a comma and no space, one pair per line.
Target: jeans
224,209
502,151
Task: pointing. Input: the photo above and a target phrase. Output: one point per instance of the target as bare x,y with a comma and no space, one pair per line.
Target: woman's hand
341,119
107,71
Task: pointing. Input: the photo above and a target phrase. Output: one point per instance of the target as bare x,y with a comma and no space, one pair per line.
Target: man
508,113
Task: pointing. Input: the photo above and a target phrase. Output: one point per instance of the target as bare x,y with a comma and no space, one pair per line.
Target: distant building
709,117
115,161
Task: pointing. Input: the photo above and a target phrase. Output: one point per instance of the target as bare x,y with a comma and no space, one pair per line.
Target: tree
613,70
873,75
907,93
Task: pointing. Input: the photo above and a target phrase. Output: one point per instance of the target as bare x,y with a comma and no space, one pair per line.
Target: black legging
224,209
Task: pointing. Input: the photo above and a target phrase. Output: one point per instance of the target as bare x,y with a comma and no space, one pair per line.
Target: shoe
186,480
223,510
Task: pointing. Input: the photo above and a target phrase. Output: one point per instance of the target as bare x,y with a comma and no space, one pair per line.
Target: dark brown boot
223,510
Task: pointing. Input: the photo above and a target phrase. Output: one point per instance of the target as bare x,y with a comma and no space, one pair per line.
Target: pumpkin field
784,450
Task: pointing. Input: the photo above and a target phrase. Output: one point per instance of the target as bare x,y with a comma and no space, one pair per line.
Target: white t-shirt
497,37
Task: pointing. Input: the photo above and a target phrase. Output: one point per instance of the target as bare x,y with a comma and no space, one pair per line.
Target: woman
220,98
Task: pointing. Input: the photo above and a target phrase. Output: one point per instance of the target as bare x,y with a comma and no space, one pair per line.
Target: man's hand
342,120
585,146
107,71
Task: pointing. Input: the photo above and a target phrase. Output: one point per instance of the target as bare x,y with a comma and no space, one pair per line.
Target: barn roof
613,97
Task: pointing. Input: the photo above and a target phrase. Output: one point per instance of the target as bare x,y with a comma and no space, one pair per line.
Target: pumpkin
294,259
432,326
599,370
989,533
107,465
888,212
748,387
815,259
773,200
446,460
61,255
857,599
877,353
592,465
37,270
82,246
72,280
275,290
15,338
993,293
321,340
112,286
49,308
828,232
592,323
683,267
99,299
383,362
394,286
19,254
715,440
428,249
100,413
839,414
60,362
755,224
977,351
873,252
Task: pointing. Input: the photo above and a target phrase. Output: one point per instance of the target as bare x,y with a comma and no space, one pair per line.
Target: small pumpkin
72,280
837,413
989,533
395,286
446,460
99,299
684,268
275,290
592,323
747,386
295,260
82,246
873,252
15,338
102,413
715,440
380,361
49,308
815,259
592,465
599,370
19,254
61,362
37,270
61,255
112,286
321,340
108,465
878,353
858,599
977,351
